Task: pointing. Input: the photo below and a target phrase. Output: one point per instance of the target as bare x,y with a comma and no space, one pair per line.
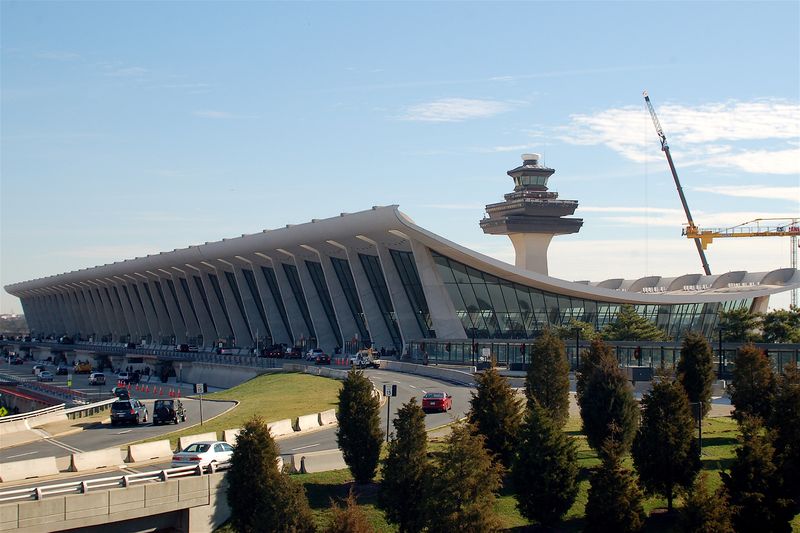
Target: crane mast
665,149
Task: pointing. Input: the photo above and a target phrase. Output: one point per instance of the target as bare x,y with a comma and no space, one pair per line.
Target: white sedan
204,453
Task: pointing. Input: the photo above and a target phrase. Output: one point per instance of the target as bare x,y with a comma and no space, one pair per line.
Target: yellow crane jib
753,228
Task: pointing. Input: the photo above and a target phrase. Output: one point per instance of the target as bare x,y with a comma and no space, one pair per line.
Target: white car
97,378
44,375
204,453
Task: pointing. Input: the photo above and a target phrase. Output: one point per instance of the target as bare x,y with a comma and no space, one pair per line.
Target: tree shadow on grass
567,526
720,441
717,464
320,494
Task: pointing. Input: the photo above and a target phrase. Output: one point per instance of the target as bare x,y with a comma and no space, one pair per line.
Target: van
97,378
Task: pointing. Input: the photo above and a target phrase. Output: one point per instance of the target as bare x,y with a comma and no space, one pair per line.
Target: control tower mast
531,215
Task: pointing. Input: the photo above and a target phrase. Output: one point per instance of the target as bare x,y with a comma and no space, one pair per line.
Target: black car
168,411
322,359
62,369
128,411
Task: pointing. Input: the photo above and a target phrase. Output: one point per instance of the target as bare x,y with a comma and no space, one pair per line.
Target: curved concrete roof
388,224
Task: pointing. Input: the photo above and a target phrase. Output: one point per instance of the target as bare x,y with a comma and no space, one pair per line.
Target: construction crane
760,227
665,149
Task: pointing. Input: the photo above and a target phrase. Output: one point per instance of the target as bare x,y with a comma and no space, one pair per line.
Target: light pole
720,355
577,349
474,332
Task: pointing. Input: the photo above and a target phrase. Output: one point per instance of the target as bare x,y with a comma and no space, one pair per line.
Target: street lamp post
720,355
577,349
474,332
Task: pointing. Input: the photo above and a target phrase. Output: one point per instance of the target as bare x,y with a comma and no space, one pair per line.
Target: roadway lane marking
21,455
123,432
423,391
304,447
62,445
412,386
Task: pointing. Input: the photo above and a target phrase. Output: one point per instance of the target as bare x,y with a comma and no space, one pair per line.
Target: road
104,436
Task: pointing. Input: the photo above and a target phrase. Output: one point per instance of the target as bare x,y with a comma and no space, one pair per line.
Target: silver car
204,453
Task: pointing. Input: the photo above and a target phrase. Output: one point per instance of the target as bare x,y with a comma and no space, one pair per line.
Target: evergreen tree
665,451
755,484
546,469
782,325
464,485
615,499
696,370
752,389
704,511
547,382
740,325
605,396
348,519
495,412
405,470
567,331
631,326
785,421
261,497
359,434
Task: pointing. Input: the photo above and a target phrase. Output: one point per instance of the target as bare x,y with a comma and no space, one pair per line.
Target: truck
365,358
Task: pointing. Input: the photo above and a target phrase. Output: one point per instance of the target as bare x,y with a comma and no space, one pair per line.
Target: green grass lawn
272,396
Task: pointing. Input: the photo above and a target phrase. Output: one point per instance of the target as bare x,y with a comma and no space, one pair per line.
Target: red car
437,401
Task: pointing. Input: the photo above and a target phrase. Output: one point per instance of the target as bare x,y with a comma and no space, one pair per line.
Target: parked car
312,354
437,401
294,353
121,392
322,359
203,453
82,367
37,369
16,361
168,411
62,369
128,411
97,378
44,375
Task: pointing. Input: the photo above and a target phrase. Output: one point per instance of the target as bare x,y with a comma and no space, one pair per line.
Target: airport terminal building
374,277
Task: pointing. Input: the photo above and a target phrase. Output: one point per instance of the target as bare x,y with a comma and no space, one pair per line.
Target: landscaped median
274,397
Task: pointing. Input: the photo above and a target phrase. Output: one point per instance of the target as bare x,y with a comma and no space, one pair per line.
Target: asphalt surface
104,436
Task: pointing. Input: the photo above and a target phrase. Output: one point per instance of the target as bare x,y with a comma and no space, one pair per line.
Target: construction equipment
665,149
760,227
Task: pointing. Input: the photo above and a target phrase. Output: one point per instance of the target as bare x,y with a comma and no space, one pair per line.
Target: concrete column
326,338
56,315
296,321
409,327
224,330
531,250
165,328
72,296
443,312
176,317
116,306
204,317
344,316
99,314
257,326
376,325
276,326
69,313
189,312
40,300
238,320
126,286
136,289
108,311
127,310
88,310
63,311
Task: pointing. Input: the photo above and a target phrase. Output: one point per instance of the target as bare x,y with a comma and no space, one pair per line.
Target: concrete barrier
183,442
321,461
328,418
281,428
149,450
229,435
445,374
16,470
88,461
307,422
13,427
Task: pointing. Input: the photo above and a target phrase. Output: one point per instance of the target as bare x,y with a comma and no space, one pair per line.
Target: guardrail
83,487
32,414
90,409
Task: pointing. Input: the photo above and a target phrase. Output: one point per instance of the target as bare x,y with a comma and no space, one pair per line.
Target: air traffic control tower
531,215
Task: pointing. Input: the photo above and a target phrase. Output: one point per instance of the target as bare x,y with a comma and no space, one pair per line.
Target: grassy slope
273,396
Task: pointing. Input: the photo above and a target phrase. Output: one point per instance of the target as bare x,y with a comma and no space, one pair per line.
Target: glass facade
318,277
199,284
345,275
374,272
272,283
407,269
297,289
163,301
495,308
188,295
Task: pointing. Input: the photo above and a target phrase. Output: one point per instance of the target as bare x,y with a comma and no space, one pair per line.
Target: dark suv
168,411
128,411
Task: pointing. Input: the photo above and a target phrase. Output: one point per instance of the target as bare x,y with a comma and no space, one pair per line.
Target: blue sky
130,128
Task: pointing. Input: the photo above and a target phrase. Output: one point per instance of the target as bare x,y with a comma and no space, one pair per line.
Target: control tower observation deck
531,215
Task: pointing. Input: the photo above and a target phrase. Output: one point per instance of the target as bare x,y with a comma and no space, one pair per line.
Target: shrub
495,412
547,381
359,434
752,388
696,370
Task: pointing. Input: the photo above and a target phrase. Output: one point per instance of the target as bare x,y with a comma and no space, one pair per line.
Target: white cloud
213,114
128,72
710,135
511,148
57,55
667,217
791,194
456,110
